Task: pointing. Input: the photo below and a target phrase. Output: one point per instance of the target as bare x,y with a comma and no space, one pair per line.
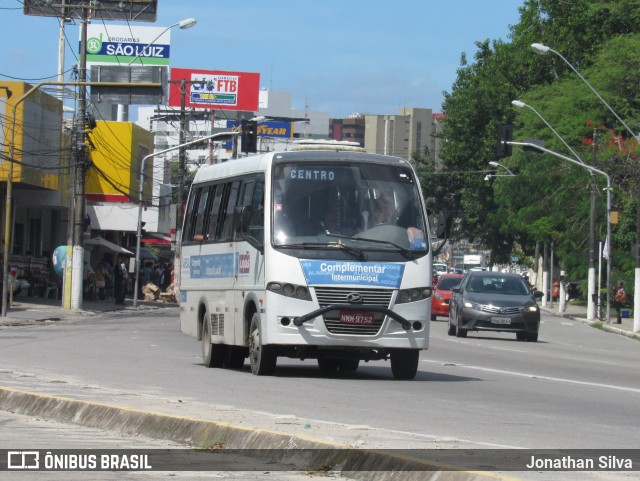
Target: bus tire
213,355
404,363
262,358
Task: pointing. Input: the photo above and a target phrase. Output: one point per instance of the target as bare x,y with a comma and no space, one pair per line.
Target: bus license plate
500,320
356,317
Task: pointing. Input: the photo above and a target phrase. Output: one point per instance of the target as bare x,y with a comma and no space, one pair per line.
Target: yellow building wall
114,173
33,138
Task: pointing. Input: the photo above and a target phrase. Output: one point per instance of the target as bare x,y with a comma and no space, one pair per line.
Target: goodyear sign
122,44
271,128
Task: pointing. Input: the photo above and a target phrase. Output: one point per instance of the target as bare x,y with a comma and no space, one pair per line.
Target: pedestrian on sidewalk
619,300
120,275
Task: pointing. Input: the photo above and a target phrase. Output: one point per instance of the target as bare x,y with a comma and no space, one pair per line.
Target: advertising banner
120,44
215,89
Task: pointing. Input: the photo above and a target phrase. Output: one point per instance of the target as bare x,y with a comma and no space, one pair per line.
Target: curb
273,446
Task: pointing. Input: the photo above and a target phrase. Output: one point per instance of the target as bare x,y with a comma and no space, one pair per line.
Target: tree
546,200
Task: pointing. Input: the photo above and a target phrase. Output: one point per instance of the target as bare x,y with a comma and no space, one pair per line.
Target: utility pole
593,286
182,161
79,208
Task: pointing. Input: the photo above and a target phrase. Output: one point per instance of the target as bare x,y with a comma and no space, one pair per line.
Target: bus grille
338,295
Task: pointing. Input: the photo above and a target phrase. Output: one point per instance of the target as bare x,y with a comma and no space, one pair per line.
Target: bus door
249,247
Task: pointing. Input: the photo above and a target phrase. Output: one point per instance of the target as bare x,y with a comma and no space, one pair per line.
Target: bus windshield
369,206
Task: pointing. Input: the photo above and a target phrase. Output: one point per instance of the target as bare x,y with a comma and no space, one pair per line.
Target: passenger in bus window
383,212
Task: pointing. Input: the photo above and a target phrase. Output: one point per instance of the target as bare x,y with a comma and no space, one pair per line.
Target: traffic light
505,134
249,136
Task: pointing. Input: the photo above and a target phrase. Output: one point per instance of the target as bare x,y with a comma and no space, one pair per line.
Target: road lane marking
536,376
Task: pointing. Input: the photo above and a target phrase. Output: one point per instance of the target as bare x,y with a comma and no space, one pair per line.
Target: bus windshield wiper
405,252
357,253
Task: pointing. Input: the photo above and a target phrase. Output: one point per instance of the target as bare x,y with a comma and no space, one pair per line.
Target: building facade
410,130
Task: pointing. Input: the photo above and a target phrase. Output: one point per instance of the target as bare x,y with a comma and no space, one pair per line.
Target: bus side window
244,200
255,225
214,212
187,234
229,221
200,219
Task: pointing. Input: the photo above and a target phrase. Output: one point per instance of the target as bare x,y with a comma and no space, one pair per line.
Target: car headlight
530,308
438,296
471,305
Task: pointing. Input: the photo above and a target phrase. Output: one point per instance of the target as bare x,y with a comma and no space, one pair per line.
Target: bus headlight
413,295
290,290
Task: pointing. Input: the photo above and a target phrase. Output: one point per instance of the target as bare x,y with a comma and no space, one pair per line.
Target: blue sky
337,56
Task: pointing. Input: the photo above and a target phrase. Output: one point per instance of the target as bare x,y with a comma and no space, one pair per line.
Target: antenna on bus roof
335,145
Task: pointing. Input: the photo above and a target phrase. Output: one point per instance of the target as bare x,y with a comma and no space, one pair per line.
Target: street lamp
544,50
541,49
521,105
123,110
498,164
591,288
220,136
593,170
183,24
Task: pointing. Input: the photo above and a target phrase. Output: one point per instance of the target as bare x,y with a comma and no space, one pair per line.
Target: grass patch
598,325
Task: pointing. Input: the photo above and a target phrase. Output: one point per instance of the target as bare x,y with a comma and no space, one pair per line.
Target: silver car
494,301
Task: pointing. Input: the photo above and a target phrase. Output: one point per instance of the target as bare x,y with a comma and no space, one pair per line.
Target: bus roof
261,162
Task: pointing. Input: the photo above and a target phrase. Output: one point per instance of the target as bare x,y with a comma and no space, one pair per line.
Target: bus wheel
235,357
263,358
212,354
404,363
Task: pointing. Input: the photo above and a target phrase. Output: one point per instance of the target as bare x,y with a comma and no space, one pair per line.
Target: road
576,388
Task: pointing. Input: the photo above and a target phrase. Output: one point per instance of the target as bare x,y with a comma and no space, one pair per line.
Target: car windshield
498,285
447,283
369,206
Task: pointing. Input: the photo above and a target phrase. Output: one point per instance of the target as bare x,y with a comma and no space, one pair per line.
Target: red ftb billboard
215,89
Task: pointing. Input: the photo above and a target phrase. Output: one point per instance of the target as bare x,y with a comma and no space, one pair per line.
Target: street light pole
543,50
597,171
123,110
493,163
219,135
591,284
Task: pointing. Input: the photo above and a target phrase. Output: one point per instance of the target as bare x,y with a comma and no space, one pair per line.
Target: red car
442,294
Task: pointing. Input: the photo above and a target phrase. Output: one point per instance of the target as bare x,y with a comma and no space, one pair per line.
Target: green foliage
548,199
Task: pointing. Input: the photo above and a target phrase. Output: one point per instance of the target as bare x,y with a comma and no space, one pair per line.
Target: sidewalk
579,313
29,310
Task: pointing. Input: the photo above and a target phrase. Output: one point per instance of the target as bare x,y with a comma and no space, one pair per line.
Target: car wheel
433,318
404,363
461,333
452,329
532,337
522,336
263,358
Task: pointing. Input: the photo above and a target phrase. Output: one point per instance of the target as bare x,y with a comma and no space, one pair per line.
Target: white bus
302,254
